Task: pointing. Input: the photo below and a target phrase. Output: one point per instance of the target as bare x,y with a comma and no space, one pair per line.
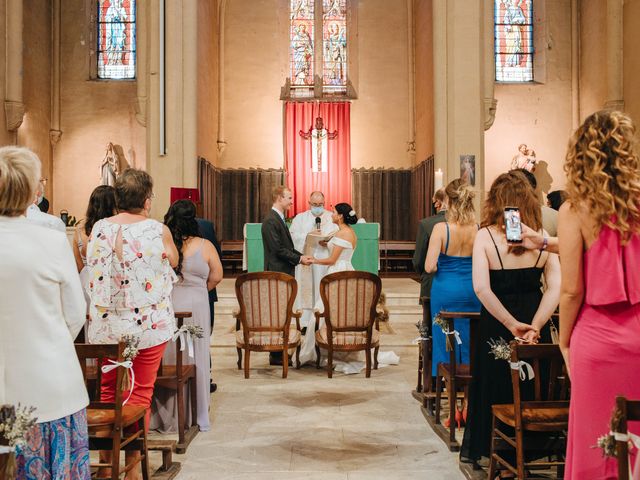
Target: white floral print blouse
132,294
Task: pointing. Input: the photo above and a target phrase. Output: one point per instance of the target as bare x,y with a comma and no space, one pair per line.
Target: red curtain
335,183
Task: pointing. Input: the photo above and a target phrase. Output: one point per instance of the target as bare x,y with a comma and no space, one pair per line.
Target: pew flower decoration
195,331
500,349
15,422
607,443
423,330
130,352
14,425
131,346
444,326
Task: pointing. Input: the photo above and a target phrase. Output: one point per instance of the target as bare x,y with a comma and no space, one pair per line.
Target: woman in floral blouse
130,258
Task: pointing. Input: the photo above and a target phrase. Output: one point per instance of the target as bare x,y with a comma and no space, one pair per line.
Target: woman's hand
522,330
532,336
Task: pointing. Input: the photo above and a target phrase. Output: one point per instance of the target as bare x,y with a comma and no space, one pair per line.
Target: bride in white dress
341,248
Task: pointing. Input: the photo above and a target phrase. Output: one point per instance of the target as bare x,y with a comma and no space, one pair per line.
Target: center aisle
311,427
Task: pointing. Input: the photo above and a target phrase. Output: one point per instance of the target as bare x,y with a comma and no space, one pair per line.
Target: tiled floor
311,427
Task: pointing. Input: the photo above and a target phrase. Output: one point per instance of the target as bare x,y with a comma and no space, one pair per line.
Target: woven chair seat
348,338
268,339
540,419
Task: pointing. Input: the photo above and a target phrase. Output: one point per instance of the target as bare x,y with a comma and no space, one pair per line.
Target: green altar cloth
366,256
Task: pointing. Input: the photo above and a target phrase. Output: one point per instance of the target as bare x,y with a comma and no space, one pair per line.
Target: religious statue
319,136
526,159
110,167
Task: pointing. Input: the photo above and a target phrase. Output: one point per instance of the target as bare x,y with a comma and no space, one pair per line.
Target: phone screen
512,224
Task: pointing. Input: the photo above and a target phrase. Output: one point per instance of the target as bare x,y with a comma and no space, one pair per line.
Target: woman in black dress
507,280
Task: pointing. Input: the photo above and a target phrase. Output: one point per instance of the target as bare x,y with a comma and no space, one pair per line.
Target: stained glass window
514,40
116,39
301,53
334,46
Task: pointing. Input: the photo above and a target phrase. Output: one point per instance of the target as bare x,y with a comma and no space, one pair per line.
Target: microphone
318,221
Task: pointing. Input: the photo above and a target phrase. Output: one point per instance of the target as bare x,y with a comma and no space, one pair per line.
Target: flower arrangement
500,349
131,346
607,443
14,425
130,352
444,326
195,330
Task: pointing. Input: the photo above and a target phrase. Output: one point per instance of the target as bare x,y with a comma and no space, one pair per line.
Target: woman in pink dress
599,231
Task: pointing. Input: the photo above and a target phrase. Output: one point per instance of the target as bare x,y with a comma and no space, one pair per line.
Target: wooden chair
350,300
425,381
266,309
455,376
546,414
114,426
177,377
625,410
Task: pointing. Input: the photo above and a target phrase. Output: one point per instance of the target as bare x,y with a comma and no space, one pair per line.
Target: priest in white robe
303,224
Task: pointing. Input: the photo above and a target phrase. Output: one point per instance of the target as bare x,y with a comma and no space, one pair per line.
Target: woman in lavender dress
199,270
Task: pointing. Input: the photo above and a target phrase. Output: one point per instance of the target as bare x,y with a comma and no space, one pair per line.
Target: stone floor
311,427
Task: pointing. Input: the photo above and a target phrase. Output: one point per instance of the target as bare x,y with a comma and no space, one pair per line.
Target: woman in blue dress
449,255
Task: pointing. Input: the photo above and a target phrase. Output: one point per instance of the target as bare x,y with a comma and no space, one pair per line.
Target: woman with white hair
43,310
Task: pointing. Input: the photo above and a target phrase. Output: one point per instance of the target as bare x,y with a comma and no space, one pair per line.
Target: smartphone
512,224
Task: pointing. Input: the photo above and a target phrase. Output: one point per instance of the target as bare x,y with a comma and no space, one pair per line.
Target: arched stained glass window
514,40
326,59
334,46
116,39
302,54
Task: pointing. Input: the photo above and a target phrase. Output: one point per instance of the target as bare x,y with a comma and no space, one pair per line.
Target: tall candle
437,184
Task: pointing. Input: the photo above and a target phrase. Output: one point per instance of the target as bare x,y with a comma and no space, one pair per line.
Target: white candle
437,184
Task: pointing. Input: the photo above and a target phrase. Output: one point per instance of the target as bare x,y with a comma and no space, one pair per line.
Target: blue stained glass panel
514,40
116,39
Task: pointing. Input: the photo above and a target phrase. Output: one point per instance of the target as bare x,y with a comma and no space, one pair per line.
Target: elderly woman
42,311
130,258
507,280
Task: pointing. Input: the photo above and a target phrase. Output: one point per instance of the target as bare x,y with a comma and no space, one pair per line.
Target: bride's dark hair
347,213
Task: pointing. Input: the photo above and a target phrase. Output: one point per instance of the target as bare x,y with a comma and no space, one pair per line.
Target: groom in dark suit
279,253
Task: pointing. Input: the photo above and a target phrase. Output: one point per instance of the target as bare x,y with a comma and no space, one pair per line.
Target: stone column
13,103
178,166
221,142
488,34
459,113
142,61
615,94
411,62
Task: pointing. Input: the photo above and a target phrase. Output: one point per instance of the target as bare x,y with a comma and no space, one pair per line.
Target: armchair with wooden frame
113,426
176,377
547,413
263,322
349,300
626,410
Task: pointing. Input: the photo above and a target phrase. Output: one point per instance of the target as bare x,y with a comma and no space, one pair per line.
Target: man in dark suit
279,253
425,227
208,231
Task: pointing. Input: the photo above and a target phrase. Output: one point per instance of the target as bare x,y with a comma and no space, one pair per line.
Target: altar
366,256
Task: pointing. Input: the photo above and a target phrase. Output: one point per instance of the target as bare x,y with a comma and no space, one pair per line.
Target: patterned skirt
56,450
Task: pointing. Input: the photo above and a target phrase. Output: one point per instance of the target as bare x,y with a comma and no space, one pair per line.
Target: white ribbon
626,437
6,449
455,333
524,368
185,338
419,339
128,364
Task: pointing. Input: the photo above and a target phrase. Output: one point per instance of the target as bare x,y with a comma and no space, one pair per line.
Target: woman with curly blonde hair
449,255
599,234
507,280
